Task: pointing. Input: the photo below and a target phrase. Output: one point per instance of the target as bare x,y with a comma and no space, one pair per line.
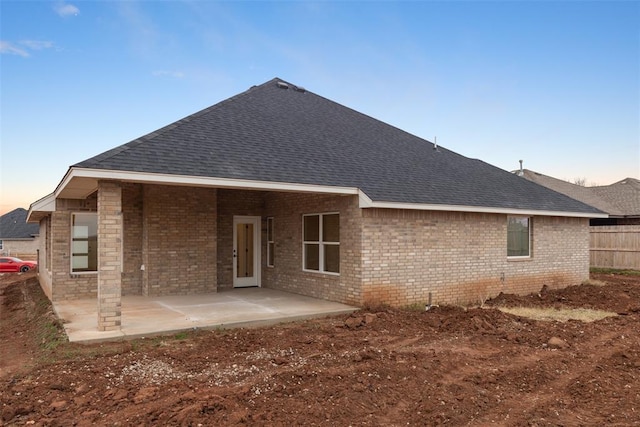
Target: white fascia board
366,202
197,181
46,204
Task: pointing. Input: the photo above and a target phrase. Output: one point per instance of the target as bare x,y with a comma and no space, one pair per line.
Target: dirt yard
449,365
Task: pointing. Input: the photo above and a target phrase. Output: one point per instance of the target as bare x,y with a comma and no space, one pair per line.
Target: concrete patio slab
149,316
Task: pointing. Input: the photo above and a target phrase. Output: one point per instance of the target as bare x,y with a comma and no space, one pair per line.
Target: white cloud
36,44
8,47
165,73
23,47
66,9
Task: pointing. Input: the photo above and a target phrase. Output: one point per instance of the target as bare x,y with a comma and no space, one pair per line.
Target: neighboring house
614,241
620,200
282,188
17,237
624,195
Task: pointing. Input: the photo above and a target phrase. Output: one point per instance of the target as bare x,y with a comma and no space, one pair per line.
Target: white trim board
364,201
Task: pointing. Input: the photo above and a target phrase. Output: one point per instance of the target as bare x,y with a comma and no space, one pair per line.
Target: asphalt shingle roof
13,225
618,199
289,135
578,192
624,195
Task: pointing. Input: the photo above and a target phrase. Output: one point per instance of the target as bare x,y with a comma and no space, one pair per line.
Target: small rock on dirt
354,322
369,318
555,342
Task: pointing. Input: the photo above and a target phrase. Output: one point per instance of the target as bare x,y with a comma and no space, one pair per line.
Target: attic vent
299,89
283,85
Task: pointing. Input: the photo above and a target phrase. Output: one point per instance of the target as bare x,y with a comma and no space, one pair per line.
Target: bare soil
447,366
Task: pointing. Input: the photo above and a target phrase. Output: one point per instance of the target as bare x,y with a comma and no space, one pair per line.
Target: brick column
109,255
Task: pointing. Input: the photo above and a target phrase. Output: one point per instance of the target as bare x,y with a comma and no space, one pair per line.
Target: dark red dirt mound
621,295
447,366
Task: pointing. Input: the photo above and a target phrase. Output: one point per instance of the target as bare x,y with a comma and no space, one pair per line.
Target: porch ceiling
79,188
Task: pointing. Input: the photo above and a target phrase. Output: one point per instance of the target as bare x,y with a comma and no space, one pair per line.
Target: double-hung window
518,237
84,242
321,243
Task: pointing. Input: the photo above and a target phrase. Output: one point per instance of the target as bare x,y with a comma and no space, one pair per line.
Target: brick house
281,188
17,237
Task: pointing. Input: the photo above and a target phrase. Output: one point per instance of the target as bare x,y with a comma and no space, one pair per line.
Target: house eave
367,203
79,183
41,208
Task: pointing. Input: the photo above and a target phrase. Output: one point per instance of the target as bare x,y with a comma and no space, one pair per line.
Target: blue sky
556,84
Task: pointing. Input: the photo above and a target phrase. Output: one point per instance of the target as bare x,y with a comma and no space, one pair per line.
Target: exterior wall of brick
287,274
287,210
234,203
461,257
109,255
44,256
184,238
179,234
64,284
132,239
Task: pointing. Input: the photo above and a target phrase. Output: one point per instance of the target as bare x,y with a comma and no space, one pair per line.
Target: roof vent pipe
521,172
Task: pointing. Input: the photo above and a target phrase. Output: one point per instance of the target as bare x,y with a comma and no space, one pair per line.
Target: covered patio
149,316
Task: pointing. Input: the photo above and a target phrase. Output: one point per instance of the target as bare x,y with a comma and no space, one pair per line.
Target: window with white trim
270,242
518,237
321,242
84,242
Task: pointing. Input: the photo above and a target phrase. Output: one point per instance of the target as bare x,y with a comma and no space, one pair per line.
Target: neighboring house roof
624,195
621,199
284,135
13,226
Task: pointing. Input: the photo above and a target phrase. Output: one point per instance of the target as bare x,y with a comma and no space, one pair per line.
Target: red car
10,264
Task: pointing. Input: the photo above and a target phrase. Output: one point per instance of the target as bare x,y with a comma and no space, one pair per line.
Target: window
321,243
1,246
84,242
270,242
518,236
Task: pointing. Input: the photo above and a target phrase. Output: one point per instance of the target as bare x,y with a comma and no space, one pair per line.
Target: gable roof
13,226
281,134
621,199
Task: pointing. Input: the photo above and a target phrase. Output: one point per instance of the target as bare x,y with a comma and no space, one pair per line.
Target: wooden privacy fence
615,246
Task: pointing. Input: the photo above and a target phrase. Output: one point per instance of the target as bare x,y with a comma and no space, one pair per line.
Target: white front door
246,251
